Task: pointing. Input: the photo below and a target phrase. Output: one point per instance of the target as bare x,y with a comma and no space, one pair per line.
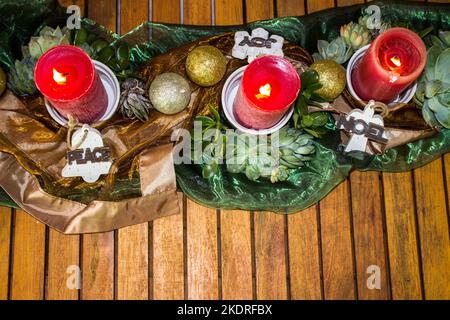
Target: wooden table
392,225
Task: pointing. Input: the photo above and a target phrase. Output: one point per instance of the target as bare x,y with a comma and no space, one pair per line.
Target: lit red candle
66,76
393,62
269,87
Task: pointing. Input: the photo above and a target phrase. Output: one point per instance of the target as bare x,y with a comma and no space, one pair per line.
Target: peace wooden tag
90,159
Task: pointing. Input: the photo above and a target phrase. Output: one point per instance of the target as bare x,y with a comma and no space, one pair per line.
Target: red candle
66,76
393,62
270,85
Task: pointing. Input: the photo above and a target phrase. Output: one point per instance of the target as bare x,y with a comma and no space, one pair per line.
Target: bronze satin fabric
159,197
137,189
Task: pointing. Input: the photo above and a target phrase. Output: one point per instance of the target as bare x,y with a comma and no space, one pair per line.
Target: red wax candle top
64,73
271,83
393,61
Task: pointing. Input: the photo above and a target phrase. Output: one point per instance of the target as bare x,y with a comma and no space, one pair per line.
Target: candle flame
264,91
396,61
60,78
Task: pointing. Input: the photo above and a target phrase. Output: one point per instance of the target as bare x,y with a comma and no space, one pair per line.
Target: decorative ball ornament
331,76
2,81
170,93
206,65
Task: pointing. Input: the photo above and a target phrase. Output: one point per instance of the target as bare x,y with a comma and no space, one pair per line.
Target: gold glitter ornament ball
170,93
2,81
332,77
206,65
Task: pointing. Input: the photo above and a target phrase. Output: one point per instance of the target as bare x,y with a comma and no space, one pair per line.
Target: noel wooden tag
363,126
90,159
257,44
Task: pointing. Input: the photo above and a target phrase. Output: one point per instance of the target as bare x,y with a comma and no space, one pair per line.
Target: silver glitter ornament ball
170,93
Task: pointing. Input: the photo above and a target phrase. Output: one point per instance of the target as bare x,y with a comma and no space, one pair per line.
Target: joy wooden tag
90,158
259,43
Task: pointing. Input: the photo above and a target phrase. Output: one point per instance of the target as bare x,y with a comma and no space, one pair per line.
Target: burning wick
396,61
264,91
60,78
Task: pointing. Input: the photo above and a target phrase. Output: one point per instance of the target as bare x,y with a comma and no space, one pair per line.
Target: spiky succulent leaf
21,77
47,39
336,50
355,35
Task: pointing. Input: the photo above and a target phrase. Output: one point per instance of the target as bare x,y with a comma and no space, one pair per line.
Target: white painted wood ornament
363,126
90,158
259,43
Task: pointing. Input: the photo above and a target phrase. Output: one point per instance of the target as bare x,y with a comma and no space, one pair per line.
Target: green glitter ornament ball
170,93
331,76
206,65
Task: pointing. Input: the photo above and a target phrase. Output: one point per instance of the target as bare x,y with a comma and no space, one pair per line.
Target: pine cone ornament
133,101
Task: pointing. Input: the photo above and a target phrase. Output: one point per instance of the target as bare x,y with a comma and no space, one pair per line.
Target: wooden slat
237,282
202,259
98,249
168,247
447,176
317,5
286,8
5,245
197,12
132,252
259,9
98,267
63,252
270,254
167,11
229,12
132,263
29,258
235,226
343,3
433,229
202,251
337,257
368,233
168,259
337,254
304,255
270,246
401,235
132,14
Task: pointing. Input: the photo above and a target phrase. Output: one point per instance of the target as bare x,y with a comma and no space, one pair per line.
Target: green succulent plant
433,93
336,50
21,77
312,123
47,39
355,35
294,148
116,57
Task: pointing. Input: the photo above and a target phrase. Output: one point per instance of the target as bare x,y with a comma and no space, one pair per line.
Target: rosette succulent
21,77
47,39
433,93
336,50
355,35
256,160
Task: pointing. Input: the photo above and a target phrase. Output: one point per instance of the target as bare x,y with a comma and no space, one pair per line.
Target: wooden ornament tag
90,159
363,126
